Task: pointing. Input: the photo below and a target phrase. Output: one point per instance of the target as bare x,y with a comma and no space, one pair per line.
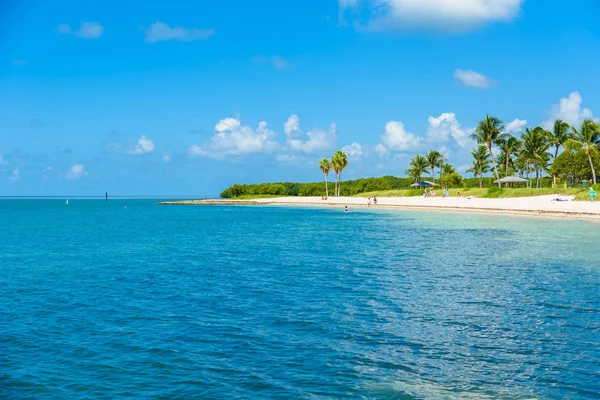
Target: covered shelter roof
423,184
511,179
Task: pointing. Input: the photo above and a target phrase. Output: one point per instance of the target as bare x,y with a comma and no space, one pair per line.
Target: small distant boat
67,203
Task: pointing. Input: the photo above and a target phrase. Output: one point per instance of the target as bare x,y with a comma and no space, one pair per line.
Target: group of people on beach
445,193
372,201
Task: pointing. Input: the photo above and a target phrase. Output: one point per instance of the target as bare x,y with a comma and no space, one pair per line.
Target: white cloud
77,171
380,149
143,146
233,138
15,176
2,160
444,127
47,169
515,126
159,31
353,150
569,110
87,30
228,124
313,140
396,138
441,15
472,79
292,124
166,159
63,29
90,30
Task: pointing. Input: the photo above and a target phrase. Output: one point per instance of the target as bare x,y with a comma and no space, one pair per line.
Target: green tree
339,162
417,167
434,159
325,166
558,137
587,138
481,163
489,133
277,189
447,169
573,166
453,179
534,151
509,146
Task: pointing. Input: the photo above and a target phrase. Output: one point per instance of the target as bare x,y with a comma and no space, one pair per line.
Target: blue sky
185,98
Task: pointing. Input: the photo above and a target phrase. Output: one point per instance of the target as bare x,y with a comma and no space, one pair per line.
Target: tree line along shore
558,161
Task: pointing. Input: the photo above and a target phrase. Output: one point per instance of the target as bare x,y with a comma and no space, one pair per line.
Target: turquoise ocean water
148,301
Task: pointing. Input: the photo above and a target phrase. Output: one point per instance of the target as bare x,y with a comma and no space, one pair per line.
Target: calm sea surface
102,301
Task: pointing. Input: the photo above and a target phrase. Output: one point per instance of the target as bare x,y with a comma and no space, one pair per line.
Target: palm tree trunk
528,177
326,189
591,166
494,163
506,172
555,155
433,174
340,185
480,180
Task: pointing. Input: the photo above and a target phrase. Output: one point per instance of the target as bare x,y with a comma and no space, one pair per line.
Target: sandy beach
531,206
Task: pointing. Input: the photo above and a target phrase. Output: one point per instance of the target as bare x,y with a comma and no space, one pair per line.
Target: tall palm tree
489,132
586,138
325,166
481,163
434,159
558,137
417,167
534,151
339,162
509,146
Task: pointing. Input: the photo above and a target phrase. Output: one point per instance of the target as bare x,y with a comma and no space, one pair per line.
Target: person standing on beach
374,200
369,202
592,193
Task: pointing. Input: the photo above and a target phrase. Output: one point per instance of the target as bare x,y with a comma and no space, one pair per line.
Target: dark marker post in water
106,195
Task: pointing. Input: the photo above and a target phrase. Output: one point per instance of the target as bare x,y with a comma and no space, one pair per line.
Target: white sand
541,205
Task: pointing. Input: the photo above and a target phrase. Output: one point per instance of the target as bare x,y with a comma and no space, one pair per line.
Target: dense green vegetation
384,186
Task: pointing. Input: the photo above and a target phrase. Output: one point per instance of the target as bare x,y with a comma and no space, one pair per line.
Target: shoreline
539,206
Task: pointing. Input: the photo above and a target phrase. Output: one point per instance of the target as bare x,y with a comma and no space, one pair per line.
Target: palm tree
447,169
325,166
534,151
509,146
559,135
434,159
417,167
481,163
339,161
587,138
489,133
